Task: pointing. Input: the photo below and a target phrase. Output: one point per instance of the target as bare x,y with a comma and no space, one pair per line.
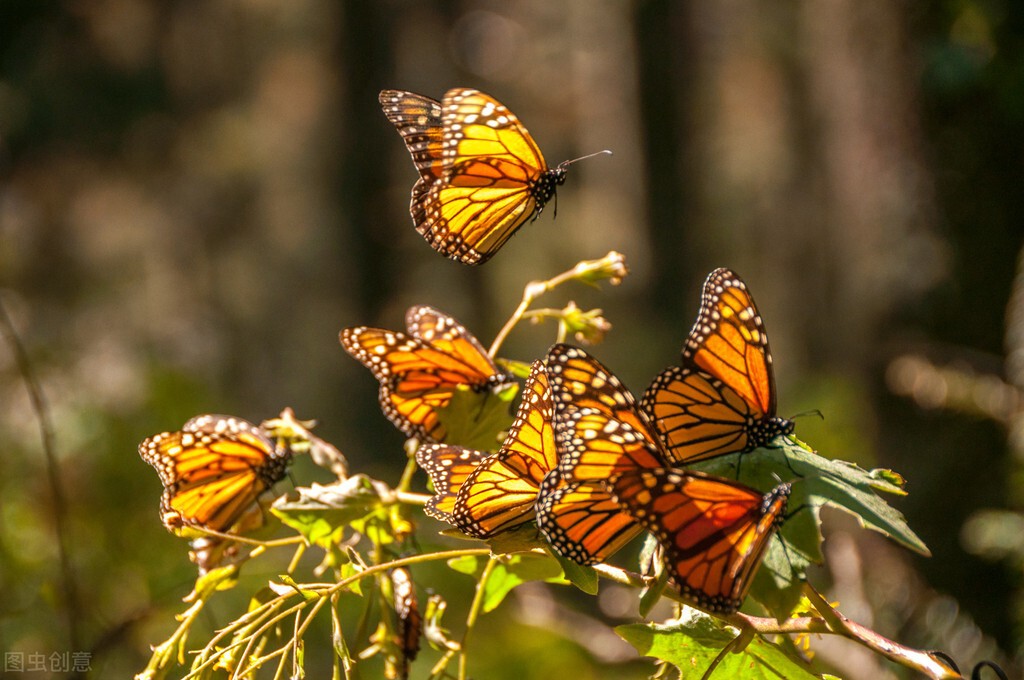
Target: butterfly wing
212,470
730,343
699,417
597,423
578,380
714,531
418,372
418,120
494,179
448,468
500,493
581,520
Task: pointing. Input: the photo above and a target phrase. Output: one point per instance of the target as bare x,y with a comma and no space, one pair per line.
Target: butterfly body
419,370
213,470
481,174
722,398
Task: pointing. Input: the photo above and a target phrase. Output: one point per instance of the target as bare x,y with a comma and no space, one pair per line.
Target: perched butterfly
213,470
714,530
481,174
499,494
500,491
722,398
714,533
407,611
448,467
419,371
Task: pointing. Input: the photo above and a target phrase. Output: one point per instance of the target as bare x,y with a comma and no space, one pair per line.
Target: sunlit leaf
583,577
508,572
476,420
692,644
322,512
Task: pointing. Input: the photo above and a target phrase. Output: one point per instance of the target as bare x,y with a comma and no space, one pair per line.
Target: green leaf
323,512
508,572
584,578
691,644
476,420
817,481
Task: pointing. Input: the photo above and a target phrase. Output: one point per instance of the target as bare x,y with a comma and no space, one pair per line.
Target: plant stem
474,612
42,412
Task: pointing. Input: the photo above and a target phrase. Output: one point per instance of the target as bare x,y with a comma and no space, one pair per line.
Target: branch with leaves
365,531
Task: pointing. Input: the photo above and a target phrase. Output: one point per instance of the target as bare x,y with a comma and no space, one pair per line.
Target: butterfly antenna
812,412
564,164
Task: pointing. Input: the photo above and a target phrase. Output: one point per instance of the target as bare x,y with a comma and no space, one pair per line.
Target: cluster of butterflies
585,460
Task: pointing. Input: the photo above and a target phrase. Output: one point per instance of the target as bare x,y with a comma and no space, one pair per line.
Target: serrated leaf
323,511
693,643
476,420
817,481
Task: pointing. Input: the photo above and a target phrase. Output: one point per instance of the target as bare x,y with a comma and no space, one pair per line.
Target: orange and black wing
500,493
448,468
581,520
418,120
598,426
595,445
722,399
714,532
419,371
578,380
494,179
213,470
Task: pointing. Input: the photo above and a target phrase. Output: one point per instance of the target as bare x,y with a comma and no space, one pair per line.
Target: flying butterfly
714,530
481,174
722,398
714,534
419,370
213,470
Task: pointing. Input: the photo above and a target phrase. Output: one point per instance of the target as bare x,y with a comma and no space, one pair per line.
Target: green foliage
475,419
507,572
695,643
364,529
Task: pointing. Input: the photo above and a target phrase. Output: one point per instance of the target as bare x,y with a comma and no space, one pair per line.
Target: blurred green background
197,195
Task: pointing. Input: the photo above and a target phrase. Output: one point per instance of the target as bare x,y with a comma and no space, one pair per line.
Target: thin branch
42,412
474,612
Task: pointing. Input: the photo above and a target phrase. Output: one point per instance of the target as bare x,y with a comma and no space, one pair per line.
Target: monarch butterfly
407,611
714,530
419,371
213,470
499,492
722,398
581,520
481,174
714,533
